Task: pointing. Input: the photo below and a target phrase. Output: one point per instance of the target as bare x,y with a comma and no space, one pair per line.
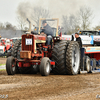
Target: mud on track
53,87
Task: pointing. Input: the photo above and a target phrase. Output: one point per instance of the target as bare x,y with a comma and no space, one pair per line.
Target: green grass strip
2,64
2,69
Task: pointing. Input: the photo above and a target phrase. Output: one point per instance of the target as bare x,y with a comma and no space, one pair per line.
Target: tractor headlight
45,49
58,38
55,38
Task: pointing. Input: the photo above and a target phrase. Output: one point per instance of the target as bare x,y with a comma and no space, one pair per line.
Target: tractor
5,46
95,35
32,55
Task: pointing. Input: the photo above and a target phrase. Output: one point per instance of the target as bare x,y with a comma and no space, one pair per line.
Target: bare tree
70,24
9,26
2,26
39,12
65,24
85,14
97,27
21,22
73,23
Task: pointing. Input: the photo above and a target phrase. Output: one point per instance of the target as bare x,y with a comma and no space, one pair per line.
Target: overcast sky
58,8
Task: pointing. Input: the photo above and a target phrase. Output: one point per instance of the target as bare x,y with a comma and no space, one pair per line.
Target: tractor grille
29,47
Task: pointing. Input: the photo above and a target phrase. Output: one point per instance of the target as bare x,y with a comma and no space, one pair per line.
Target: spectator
78,39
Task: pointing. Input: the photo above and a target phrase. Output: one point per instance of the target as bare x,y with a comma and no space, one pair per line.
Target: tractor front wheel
45,66
10,66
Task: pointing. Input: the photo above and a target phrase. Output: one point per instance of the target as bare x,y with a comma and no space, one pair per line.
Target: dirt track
53,87
3,60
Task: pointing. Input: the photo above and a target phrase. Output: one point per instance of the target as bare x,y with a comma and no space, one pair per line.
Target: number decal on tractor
28,41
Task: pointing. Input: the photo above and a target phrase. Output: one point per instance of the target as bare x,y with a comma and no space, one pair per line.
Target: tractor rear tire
8,54
87,64
59,56
10,66
45,66
73,58
15,52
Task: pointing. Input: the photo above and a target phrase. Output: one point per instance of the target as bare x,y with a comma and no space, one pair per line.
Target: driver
48,31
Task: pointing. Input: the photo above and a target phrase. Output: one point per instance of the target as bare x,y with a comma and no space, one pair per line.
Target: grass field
2,69
2,64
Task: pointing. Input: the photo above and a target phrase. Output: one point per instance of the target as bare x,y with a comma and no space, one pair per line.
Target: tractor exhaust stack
29,26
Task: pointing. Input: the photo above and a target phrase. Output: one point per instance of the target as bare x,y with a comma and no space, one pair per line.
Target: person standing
78,39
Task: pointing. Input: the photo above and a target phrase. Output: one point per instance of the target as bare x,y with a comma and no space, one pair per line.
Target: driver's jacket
47,30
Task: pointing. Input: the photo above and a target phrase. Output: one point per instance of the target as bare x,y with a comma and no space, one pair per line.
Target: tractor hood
39,37
29,42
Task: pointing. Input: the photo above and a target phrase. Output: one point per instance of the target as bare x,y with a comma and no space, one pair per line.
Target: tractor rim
47,67
75,59
13,66
88,65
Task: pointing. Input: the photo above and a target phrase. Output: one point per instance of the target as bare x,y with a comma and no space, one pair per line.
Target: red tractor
32,55
5,46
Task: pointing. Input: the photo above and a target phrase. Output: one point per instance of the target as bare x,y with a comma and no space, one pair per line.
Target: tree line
70,24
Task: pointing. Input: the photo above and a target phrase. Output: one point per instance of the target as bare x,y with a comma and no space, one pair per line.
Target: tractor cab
36,31
38,36
56,30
